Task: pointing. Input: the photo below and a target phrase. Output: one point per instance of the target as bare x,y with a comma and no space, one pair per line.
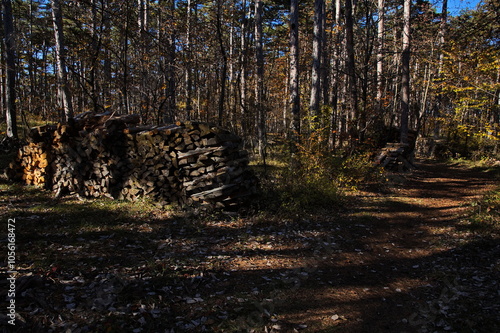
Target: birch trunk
10,114
259,82
231,92
95,50
335,79
245,123
189,79
405,72
166,39
439,98
316,64
380,54
351,71
294,70
62,80
224,65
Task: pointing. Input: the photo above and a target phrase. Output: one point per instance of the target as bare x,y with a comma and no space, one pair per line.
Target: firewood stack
32,161
100,155
395,156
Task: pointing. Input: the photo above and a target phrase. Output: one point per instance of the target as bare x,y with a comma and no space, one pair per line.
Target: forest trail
409,263
404,260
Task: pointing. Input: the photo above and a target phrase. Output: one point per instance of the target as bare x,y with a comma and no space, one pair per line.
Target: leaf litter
375,266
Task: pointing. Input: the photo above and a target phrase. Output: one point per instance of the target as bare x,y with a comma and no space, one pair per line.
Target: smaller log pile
32,161
397,156
99,155
431,147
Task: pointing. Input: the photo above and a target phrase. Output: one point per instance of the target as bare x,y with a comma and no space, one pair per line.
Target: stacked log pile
431,147
397,156
99,155
33,160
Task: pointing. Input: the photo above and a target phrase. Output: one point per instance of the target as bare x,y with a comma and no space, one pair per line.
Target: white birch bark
62,80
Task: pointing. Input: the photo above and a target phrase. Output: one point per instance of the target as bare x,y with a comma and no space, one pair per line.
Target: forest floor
405,259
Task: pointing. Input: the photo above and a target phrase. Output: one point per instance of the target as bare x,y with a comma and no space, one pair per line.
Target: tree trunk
168,107
3,82
220,115
125,92
62,80
142,49
405,72
294,71
31,64
8,24
231,80
365,80
106,84
380,54
189,79
94,94
259,82
351,71
244,70
439,98
325,59
314,104
171,77
335,79
142,17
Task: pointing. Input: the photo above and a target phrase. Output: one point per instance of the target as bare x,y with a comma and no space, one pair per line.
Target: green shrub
314,178
486,214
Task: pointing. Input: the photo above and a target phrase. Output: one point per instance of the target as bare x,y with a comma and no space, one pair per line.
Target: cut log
395,156
110,155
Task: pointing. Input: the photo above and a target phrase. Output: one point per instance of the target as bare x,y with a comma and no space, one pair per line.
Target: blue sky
455,6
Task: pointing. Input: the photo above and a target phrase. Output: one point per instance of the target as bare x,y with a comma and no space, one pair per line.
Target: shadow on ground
385,266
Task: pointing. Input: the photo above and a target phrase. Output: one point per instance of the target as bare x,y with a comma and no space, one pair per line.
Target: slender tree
10,59
220,38
314,102
405,72
189,62
231,71
294,70
125,60
62,79
167,47
244,60
142,17
335,77
442,34
143,49
351,70
259,80
95,52
380,54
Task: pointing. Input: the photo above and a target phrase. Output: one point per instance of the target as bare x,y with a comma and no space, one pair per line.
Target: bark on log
100,155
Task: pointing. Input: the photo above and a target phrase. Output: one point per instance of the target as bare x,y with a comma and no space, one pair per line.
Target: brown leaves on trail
393,263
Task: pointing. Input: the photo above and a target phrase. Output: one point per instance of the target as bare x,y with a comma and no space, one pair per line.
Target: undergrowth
486,215
314,178
485,164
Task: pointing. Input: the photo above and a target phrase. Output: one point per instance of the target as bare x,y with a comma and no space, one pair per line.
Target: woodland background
332,242
345,70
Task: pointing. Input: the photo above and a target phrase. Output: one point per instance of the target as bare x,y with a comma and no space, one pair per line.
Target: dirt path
401,261
405,265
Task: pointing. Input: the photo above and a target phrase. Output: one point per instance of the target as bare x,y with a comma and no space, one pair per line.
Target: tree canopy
228,62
